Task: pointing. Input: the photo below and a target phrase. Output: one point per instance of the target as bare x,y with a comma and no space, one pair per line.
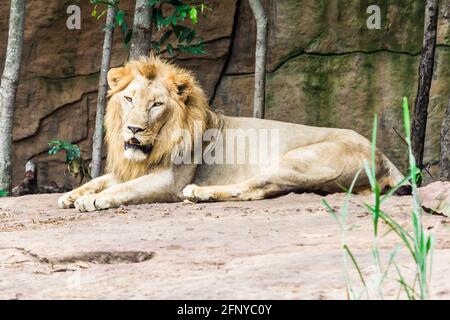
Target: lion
150,99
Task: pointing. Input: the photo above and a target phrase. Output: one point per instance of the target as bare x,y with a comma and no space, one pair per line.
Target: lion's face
149,101
146,106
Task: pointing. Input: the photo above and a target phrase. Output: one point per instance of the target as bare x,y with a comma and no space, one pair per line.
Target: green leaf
164,21
3,193
165,36
193,15
159,19
182,9
190,36
72,150
77,151
94,11
194,49
170,50
128,36
124,28
101,14
156,46
120,17
177,30
184,35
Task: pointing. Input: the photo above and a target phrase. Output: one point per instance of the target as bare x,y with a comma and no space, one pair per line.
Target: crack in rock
94,257
107,257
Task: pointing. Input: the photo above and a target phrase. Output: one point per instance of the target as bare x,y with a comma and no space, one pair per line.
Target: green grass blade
332,212
399,230
355,263
410,292
390,263
431,254
349,194
369,174
374,147
391,191
406,120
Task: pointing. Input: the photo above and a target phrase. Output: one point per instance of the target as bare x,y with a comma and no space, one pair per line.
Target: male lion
151,99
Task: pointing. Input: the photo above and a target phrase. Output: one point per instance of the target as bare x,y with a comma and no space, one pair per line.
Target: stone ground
283,248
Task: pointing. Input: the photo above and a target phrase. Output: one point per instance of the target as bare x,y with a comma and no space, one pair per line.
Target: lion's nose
135,129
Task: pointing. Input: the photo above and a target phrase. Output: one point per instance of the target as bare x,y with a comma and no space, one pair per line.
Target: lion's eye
129,99
157,104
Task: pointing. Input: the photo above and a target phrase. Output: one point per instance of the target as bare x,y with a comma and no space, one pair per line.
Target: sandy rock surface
436,197
283,248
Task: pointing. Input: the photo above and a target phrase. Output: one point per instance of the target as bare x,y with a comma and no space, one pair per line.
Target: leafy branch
166,15
72,150
76,166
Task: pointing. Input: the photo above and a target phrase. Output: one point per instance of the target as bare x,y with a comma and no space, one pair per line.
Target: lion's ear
184,85
114,76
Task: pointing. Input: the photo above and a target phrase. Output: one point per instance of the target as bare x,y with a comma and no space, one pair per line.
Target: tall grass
418,243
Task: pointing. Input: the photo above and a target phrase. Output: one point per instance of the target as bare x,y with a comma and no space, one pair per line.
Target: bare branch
8,88
97,146
260,58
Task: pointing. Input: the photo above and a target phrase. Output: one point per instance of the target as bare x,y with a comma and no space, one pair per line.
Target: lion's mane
192,108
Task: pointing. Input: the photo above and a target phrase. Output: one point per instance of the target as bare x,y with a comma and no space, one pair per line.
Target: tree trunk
419,120
97,145
29,184
260,58
8,88
142,30
444,161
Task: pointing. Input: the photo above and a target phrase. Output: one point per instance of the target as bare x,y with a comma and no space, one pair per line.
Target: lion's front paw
66,201
94,202
193,192
189,191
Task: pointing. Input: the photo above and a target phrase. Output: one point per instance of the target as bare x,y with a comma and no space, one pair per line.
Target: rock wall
325,68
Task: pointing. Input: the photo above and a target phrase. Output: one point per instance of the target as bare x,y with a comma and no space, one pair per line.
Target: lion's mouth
134,143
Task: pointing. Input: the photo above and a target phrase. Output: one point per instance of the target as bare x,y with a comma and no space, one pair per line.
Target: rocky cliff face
326,68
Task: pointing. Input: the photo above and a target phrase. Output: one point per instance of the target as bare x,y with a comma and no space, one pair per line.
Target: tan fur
308,159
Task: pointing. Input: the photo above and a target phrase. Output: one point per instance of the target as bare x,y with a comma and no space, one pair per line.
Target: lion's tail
393,178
